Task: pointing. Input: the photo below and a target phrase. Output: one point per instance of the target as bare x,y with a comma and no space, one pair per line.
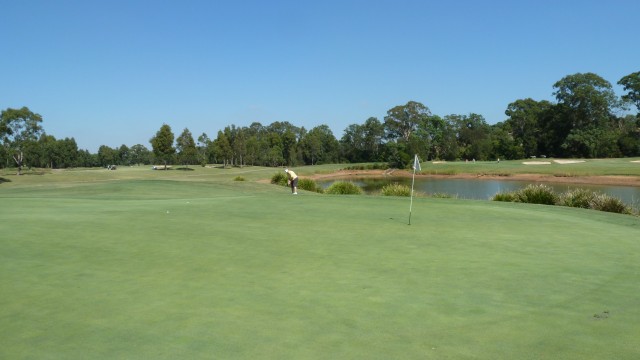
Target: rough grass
196,265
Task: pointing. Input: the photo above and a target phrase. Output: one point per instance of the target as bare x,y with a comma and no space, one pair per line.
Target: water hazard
485,189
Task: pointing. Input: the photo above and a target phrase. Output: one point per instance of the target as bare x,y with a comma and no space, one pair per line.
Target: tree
223,148
588,103
402,120
319,145
18,127
139,154
162,144
524,121
631,84
186,147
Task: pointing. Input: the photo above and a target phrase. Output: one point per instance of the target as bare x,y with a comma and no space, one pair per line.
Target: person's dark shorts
294,182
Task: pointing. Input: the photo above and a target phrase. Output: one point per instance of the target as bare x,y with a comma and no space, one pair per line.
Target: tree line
587,120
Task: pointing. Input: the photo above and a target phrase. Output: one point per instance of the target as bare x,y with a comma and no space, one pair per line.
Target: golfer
292,180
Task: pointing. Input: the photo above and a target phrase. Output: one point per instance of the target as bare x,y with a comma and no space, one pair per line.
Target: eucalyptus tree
631,84
319,145
186,148
524,122
18,129
162,144
139,154
402,120
223,148
588,103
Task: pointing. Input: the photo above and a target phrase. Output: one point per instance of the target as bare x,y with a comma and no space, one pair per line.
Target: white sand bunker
568,161
537,162
438,162
636,161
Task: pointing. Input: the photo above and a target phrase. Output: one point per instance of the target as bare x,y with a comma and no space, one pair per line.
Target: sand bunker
537,162
568,161
438,162
636,161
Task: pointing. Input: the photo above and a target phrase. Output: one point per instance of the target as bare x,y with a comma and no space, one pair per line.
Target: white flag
416,163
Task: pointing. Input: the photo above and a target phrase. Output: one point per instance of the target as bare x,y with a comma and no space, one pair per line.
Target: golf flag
416,167
416,163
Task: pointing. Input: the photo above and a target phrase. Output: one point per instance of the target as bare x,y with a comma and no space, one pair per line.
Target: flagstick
411,204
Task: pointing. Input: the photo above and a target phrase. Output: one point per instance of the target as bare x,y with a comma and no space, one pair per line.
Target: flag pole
416,165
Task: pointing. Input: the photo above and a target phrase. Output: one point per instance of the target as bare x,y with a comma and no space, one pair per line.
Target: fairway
166,265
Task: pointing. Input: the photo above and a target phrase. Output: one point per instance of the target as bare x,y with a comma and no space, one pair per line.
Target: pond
484,189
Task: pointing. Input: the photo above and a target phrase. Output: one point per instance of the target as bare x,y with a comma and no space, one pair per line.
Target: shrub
279,178
505,196
580,198
608,203
443,196
309,185
396,189
343,188
536,194
238,178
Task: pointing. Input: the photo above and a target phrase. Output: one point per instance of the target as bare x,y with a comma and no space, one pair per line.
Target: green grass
590,167
140,264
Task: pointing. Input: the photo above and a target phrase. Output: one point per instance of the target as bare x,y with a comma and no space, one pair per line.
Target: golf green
163,268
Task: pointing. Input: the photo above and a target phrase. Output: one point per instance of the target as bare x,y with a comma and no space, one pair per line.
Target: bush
608,203
309,185
536,194
579,198
344,188
396,189
238,178
279,178
505,196
443,196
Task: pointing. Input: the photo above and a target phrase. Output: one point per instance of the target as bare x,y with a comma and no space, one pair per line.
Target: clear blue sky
110,72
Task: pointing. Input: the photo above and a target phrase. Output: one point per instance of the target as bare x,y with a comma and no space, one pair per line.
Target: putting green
157,268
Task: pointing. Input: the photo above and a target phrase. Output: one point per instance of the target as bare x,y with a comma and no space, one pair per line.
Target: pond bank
590,180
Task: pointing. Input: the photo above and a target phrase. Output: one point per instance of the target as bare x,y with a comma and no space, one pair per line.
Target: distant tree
203,148
223,148
139,154
124,155
18,128
631,84
162,144
107,156
319,145
524,122
402,120
588,105
186,147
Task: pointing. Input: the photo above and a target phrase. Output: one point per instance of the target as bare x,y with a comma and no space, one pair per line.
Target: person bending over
292,181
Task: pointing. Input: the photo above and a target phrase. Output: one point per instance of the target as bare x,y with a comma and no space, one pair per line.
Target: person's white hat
286,170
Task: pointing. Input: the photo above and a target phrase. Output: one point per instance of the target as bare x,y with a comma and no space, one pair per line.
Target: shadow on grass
4,180
185,169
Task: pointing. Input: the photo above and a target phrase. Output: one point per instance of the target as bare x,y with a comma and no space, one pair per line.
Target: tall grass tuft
343,188
536,194
608,203
580,198
396,189
279,178
504,196
309,185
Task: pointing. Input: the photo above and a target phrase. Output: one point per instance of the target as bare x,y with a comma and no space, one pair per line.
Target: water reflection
484,189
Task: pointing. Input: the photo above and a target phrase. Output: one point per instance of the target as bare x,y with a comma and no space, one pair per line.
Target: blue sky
112,72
